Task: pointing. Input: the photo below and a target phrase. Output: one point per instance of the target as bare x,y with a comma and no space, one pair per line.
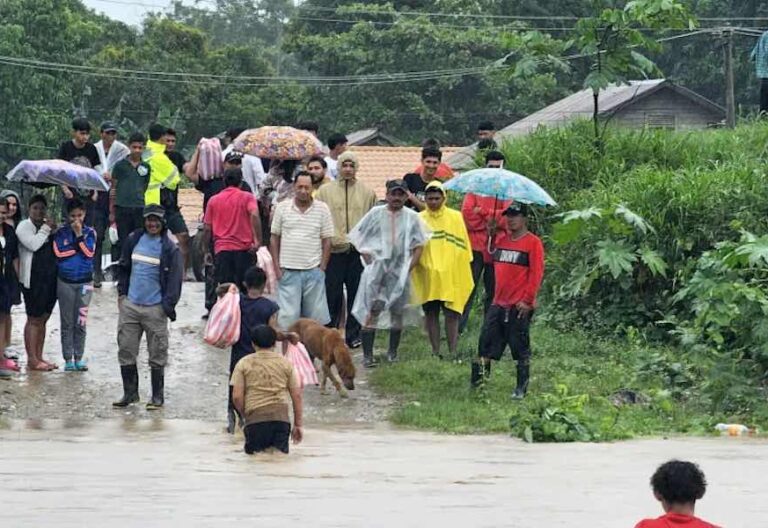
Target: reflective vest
162,174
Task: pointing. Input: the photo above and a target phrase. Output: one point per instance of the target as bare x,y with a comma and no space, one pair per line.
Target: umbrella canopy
502,184
46,173
278,142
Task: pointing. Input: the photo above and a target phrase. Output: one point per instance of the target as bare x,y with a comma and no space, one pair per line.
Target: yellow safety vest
162,174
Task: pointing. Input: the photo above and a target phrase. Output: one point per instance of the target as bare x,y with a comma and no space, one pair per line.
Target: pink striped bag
223,328
305,369
209,162
265,262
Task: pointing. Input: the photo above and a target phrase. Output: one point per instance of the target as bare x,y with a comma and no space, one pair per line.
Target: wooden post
730,96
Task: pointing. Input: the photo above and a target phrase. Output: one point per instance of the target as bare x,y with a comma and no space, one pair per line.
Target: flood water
68,459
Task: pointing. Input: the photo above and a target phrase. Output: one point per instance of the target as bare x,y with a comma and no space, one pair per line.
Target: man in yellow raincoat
163,173
443,277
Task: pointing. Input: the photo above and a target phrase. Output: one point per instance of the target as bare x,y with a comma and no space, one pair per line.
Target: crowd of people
314,231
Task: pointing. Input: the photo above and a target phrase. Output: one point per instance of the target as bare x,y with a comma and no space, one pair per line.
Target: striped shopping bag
223,328
305,369
209,162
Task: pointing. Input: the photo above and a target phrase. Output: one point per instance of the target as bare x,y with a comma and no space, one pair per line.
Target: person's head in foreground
494,159
153,219
302,188
517,219
677,485
254,280
397,194
434,196
316,167
348,165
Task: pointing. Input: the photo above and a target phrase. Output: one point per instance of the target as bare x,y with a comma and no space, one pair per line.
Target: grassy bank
575,392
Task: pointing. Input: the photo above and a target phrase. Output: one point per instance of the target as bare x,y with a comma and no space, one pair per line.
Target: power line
15,144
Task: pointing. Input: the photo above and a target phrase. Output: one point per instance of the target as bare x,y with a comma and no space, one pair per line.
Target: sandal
41,366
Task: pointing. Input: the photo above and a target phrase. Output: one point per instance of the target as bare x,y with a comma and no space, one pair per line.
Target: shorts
40,299
263,435
175,222
502,327
301,293
230,266
431,307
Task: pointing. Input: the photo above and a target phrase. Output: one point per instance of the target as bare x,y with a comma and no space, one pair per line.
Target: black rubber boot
394,344
158,384
476,378
368,337
130,375
523,374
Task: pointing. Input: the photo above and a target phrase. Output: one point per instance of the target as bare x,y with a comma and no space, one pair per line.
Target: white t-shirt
253,170
333,168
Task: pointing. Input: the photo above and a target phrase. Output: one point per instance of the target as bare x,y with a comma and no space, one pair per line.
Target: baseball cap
435,185
394,185
154,210
108,126
516,209
233,156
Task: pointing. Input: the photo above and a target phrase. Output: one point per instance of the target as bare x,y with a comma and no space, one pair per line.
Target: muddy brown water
67,459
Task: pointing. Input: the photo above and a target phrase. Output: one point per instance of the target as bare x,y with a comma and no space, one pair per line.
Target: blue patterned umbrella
46,173
502,184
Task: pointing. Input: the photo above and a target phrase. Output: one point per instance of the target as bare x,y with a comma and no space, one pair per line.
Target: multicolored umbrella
278,142
46,173
502,184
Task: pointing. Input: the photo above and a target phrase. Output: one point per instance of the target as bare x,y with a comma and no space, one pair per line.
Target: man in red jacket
518,263
483,217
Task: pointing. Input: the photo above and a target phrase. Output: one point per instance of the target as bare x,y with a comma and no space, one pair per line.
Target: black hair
433,189
318,159
233,177
494,155
170,132
3,201
288,167
263,336
233,132
485,125
431,152
137,137
309,126
430,143
679,482
38,198
486,144
81,124
156,131
335,140
254,278
75,203
303,173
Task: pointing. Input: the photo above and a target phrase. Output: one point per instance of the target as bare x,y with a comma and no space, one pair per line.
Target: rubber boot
394,344
158,384
130,375
368,337
476,377
523,374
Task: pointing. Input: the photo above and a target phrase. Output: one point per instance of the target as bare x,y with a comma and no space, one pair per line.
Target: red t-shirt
477,221
675,520
229,215
518,267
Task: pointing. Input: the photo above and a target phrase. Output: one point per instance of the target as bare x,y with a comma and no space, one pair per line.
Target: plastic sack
305,369
209,164
113,236
223,328
265,262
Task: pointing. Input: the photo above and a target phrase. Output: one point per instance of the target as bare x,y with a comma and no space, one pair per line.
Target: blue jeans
301,293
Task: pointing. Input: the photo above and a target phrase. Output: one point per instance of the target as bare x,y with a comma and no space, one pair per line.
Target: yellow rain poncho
162,174
444,271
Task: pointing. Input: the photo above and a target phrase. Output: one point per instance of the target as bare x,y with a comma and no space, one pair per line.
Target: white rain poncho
389,239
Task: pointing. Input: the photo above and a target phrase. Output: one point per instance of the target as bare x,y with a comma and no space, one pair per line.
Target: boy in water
262,383
677,485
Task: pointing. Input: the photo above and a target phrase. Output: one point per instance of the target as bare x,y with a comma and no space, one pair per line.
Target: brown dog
327,345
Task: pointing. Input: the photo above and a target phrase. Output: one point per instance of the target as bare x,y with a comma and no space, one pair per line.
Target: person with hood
390,239
150,276
349,200
442,279
12,219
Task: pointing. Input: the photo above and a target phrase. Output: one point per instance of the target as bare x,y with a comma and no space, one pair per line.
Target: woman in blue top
255,310
74,245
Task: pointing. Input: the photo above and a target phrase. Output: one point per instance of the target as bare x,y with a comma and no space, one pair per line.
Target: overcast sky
126,10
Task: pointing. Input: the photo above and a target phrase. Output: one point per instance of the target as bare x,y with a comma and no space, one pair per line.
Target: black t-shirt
417,186
85,156
177,158
170,198
211,188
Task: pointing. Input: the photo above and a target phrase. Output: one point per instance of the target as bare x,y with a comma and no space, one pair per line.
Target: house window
668,121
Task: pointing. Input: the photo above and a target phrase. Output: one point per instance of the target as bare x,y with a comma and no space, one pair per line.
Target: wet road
196,377
149,473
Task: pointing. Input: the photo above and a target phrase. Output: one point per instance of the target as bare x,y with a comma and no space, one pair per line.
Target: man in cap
390,238
442,280
150,276
349,200
518,261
